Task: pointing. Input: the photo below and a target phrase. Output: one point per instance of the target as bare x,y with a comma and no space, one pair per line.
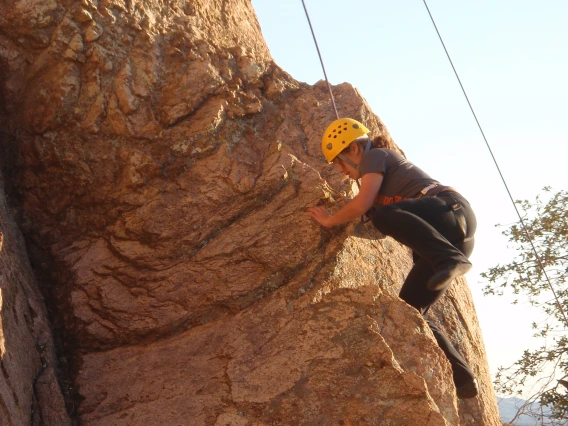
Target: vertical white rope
321,60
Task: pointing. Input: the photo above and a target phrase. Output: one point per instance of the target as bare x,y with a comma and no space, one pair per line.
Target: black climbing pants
439,234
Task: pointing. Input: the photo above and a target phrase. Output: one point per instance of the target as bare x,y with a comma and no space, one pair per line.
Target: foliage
543,281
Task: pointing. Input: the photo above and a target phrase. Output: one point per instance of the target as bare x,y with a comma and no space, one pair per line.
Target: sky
512,59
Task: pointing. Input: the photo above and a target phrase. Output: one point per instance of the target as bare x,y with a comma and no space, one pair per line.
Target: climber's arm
357,207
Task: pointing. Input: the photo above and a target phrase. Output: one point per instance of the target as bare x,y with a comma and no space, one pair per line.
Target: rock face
29,392
161,164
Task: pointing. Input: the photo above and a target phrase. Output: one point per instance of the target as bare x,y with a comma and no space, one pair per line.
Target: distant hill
508,408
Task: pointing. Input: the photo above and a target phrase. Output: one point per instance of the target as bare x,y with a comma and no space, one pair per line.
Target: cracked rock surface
29,390
159,164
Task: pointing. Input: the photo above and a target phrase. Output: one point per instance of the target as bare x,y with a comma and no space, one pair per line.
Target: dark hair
382,141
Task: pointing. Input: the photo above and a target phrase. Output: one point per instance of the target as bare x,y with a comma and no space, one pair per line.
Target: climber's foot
441,279
469,390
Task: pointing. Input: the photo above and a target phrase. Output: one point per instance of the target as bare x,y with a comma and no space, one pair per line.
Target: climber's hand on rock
320,215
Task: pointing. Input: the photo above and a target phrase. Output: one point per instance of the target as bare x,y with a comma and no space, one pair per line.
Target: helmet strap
348,161
343,158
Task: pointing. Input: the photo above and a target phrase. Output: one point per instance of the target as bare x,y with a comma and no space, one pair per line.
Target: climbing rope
525,230
321,60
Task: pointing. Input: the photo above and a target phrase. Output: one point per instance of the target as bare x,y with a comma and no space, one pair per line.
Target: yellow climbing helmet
339,135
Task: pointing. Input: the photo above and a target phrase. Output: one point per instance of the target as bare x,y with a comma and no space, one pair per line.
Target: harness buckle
426,189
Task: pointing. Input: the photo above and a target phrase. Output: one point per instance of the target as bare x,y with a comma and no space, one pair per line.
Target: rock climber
405,203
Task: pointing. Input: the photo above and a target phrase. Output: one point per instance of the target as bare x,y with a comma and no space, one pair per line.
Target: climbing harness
436,189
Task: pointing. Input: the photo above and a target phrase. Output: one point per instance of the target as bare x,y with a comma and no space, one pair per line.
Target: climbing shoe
469,390
441,279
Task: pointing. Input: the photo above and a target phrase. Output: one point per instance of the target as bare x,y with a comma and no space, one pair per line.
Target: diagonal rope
321,60
529,238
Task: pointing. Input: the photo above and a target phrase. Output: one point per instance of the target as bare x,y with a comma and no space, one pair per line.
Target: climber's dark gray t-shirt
402,180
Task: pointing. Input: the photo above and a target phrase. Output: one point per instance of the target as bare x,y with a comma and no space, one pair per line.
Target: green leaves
546,231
